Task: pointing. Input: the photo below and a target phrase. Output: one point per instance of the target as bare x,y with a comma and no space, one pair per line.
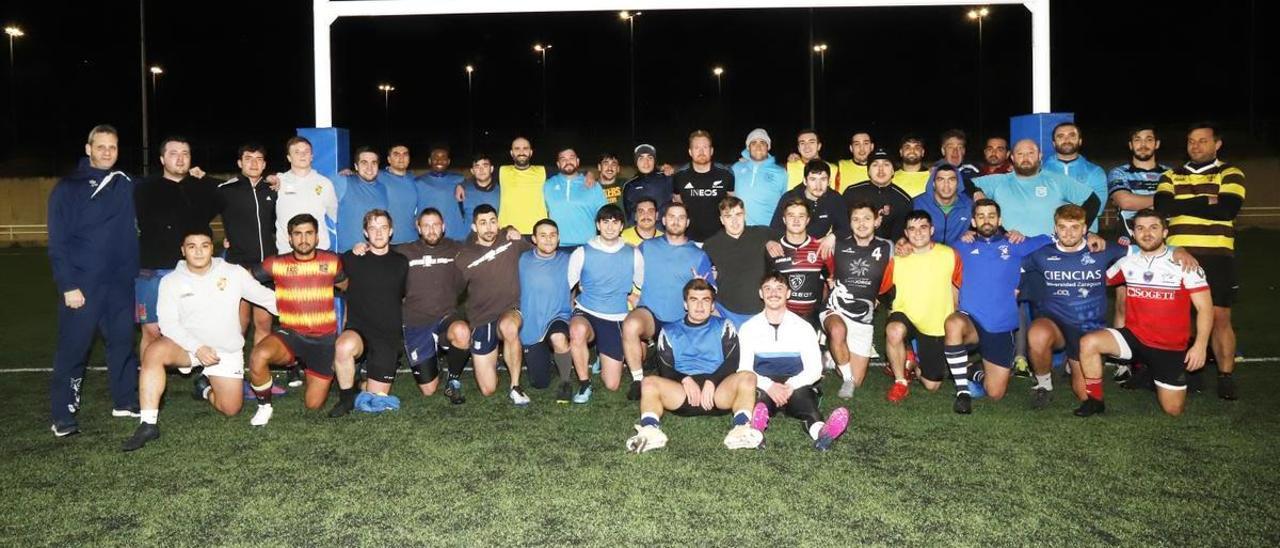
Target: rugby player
358,194
860,267
430,309
698,362
304,280
988,312
927,281
373,330
545,308
781,349
304,190
799,262
490,274
605,270
644,222
737,253
198,309
1159,298
670,261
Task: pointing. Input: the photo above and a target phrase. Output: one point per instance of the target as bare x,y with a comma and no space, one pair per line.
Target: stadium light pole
471,124
821,51
14,32
630,18
719,74
155,71
386,90
542,49
978,14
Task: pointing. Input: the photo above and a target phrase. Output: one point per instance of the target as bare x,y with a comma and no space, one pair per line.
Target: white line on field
1265,359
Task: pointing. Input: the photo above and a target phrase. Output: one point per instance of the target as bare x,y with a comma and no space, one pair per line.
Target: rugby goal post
328,11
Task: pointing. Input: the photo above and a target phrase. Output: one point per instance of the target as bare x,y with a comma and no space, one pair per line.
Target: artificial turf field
486,473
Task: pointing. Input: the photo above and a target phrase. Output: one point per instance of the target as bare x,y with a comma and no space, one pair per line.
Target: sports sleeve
575,266
1115,274
810,356
253,291
746,352
637,276
170,319
1030,245
1195,281
340,272
957,272
60,238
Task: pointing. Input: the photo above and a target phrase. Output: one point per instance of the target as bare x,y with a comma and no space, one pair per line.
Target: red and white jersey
1158,298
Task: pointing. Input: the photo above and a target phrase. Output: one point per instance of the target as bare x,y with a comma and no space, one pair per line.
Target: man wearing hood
760,181
946,202
649,182
1068,161
890,200
93,252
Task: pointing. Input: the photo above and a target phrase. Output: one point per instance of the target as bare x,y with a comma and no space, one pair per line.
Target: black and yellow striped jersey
1183,195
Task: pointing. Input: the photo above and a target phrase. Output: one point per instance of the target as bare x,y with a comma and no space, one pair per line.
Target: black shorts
381,356
1167,366
1220,272
929,353
315,353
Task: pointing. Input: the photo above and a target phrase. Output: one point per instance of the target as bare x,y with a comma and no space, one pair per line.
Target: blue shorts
733,317
1071,335
537,356
146,292
608,334
421,342
996,347
485,338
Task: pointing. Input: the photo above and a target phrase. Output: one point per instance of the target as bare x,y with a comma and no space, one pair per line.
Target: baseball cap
646,149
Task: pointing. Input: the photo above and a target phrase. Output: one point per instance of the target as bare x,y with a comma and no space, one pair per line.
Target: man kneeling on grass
199,311
781,348
697,357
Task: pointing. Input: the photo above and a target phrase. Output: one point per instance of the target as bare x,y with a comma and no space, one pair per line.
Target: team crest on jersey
1148,276
1004,252
324,267
1042,191
319,189
812,257
860,267
222,283
1084,292
796,282
1087,259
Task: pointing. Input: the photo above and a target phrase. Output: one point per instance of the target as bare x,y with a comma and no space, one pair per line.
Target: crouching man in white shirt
199,313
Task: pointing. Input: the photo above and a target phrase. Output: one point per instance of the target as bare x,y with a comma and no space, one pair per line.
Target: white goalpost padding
328,11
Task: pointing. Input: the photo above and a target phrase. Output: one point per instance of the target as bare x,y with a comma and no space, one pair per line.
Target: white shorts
857,335
229,365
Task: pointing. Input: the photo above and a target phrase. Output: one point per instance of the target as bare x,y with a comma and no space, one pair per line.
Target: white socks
149,416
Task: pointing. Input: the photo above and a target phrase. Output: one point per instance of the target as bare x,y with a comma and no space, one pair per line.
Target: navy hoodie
947,227
93,230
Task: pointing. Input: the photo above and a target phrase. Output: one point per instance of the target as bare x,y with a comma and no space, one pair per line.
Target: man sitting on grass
198,310
697,358
781,348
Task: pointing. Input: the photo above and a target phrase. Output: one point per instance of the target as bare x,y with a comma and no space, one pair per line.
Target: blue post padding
1038,127
331,152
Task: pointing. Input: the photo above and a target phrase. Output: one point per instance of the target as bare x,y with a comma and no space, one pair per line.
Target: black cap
879,154
646,149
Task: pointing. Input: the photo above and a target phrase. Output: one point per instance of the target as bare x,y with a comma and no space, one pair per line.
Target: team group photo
977,321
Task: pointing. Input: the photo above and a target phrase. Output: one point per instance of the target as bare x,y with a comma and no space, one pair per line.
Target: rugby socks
815,429
846,371
1093,387
263,393
637,375
149,416
650,419
1044,381
958,362
347,395
418,376
564,365
741,417
457,358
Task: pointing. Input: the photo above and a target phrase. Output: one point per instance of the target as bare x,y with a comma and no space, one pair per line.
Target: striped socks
958,362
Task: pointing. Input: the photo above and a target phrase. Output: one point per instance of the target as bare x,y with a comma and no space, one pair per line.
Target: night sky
238,71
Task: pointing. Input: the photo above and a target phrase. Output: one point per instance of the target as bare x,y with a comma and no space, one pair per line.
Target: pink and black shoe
760,417
836,424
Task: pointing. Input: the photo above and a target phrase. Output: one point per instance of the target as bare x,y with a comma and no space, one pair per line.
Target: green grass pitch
486,473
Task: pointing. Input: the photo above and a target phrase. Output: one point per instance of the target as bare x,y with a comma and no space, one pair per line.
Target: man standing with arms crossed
93,252
1201,200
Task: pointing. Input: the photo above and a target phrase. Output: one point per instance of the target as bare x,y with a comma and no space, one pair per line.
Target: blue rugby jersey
544,293
438,190
402,204
1140,181
1072,284
605,276
992,270
667,268
573,207
708,350
355,198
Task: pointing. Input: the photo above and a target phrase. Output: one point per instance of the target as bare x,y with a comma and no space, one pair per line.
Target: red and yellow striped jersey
304,291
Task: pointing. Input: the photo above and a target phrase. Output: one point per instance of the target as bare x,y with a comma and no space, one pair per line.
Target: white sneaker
126,413
743,437
846,390
263,416
647,438
518,397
